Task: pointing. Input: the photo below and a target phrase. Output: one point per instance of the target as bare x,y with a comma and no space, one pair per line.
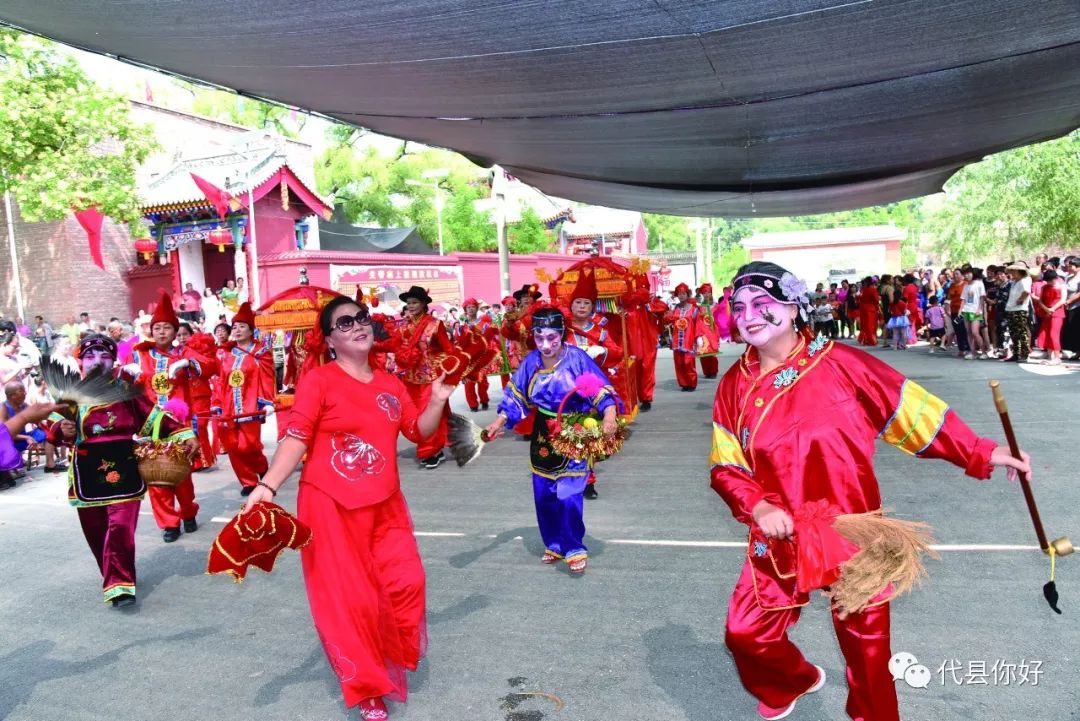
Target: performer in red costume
796,421
644,322
869,308
509,354
165,374
201,393
710,365
687,337
588,332
423,340
362,569
245,399
476,391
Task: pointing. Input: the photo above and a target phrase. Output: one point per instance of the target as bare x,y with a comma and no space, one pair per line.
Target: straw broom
890,552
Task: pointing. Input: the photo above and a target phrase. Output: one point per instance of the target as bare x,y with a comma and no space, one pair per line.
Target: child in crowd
935,318
899,324
823,317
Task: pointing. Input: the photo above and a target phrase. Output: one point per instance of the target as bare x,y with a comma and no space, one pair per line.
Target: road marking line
437,534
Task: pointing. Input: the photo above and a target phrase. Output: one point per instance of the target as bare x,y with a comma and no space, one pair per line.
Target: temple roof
248,163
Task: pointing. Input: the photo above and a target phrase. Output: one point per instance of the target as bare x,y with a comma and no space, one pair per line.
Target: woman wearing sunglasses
362,569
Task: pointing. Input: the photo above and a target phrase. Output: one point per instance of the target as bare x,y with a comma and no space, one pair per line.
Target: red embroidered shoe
578,564
774,714
373,709
550,557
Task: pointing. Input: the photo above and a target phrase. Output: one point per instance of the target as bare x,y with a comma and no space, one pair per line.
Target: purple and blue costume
558,481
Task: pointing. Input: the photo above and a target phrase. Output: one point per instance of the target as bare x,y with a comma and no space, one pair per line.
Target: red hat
586,286
681,288
164,312
470,301
245,315
508,300
706,288
256,538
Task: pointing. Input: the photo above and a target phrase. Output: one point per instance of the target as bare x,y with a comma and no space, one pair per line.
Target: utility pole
699,259
15,274
504,245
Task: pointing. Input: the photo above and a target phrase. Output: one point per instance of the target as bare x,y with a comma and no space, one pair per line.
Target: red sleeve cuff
978,465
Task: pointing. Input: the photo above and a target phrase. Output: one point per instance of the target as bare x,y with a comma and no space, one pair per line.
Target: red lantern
146,246
221,237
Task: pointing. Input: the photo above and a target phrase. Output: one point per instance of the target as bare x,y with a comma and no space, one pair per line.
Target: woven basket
159,468
163,471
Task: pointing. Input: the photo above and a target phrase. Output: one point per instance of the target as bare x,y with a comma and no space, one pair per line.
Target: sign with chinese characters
178,235
444,283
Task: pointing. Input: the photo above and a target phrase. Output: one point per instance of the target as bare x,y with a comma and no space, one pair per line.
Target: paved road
640,636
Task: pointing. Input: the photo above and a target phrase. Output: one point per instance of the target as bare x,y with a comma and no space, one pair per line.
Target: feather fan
96,389
465,438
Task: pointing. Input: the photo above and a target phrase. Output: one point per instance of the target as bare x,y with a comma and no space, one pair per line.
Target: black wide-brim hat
529,289
416,292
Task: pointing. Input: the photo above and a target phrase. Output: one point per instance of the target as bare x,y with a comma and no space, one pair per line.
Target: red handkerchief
256,538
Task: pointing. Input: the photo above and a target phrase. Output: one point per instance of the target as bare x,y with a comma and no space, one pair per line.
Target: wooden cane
1062,546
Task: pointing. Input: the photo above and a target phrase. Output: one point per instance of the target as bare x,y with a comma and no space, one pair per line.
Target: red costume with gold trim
687,327
246,387
202,397
805,432
710,364
170,504
476,389
644,322
423,339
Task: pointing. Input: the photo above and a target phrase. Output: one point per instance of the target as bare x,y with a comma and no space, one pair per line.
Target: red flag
90,220
220,199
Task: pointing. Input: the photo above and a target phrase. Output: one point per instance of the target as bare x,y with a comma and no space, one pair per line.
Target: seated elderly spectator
32,436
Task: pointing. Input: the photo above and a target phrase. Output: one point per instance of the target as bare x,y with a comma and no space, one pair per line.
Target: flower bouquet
164,463
580,436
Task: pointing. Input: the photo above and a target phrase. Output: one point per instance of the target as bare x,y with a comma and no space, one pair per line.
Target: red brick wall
58,277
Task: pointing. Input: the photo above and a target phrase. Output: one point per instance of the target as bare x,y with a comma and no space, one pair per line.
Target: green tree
248,112
673,229
398,189
65,143
529,234
1019,201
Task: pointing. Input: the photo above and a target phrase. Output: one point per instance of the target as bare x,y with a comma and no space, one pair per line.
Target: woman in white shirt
973,311
212,310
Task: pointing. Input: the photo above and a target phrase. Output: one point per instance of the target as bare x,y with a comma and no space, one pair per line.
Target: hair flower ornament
794,289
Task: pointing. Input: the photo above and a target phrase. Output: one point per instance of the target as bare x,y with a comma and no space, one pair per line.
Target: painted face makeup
759,317
97,359
548,341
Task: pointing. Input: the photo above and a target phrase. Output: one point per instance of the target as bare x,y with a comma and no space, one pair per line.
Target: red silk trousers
365,586
710,366
244,445
685,369
421,394
164,501
476,392
645,370
774,671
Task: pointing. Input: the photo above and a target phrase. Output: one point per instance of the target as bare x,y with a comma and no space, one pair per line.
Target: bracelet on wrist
267,486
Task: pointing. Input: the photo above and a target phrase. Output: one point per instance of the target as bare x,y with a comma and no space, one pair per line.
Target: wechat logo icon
905,667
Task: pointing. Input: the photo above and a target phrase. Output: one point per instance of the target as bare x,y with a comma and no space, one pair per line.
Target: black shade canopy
708,107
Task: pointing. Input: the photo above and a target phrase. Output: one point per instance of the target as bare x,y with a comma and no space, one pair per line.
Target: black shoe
7,483
123,600
58,468
710,377
191,526
483,406
646,405
246,491
433,461
170,534
590,491
474,410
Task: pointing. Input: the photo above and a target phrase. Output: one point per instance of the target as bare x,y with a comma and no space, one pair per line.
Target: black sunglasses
345,323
